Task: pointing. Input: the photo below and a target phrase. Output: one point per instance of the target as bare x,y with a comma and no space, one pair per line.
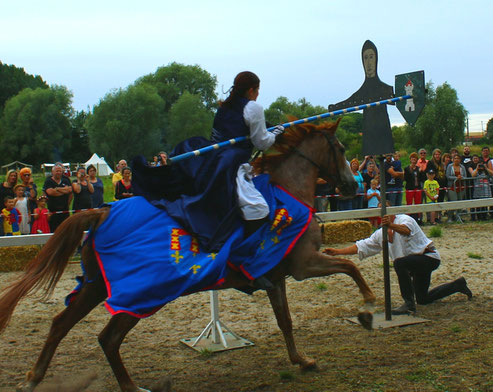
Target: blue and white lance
217,146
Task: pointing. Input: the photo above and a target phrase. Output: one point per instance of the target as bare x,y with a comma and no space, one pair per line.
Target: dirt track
453,352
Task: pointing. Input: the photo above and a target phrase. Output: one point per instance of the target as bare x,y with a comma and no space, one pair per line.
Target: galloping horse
303,154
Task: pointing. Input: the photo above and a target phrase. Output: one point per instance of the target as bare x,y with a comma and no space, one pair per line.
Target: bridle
323,172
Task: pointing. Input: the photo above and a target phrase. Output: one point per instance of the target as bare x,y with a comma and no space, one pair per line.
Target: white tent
103,169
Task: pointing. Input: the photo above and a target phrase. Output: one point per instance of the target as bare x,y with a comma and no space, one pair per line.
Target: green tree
442,122
171,82
35,126
174,79
489,129
188,117
352,122
126,123
79,150
281,108
13,80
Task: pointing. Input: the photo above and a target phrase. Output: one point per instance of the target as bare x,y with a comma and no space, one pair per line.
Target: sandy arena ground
452,352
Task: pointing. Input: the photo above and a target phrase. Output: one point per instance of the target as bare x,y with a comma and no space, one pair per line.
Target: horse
302,155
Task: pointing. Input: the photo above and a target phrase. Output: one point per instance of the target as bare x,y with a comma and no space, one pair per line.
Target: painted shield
412,83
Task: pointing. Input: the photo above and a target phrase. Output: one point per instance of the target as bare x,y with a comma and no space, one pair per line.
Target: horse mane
286,142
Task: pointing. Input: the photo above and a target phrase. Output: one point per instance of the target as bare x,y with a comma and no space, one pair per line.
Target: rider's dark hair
242,83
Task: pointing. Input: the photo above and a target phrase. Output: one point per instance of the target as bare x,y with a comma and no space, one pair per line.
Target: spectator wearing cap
435,164
30,189
432,192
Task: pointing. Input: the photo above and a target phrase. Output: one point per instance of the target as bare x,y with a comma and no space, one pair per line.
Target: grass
321,286
206,353
286,375
474,256
435,232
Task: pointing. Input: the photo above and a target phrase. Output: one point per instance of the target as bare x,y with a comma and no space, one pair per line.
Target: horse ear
330,126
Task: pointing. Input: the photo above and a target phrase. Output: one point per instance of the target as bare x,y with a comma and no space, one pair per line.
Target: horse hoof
25,386
366,320
163,385
308,364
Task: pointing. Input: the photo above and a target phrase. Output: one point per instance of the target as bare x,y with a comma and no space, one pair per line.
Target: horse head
335,168
318,146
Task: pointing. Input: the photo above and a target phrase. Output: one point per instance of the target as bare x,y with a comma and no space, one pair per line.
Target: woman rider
210,194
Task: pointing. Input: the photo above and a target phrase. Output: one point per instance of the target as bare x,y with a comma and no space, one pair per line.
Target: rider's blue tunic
200,193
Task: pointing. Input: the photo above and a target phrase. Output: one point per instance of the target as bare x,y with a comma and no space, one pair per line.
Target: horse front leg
279,302
319,264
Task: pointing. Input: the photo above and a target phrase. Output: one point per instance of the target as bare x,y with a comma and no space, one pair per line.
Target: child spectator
11,217
41,217
373,197
21,204
431,189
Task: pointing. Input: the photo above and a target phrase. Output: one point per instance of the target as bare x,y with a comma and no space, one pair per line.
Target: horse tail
46,269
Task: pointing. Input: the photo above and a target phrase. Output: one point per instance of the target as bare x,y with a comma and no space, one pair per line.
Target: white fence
39,239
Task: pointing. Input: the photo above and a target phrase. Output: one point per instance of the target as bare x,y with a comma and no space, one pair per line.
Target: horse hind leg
89,297
110,340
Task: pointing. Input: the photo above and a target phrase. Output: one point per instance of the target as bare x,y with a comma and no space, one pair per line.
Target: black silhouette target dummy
377,134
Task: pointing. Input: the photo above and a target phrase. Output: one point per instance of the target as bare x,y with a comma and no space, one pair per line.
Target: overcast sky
308,48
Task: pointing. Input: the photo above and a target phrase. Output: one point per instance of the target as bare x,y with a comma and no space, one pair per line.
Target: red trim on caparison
294,197
302,231
101,268
245,272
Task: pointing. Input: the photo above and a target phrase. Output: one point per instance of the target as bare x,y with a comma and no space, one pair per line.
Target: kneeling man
415,258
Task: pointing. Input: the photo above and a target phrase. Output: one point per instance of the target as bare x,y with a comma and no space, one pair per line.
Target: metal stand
385,242
380,320
212,337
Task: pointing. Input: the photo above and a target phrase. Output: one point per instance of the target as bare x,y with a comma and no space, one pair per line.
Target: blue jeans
343,205
394,196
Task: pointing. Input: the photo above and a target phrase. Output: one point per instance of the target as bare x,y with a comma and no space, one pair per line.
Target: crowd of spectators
435,178
449,176
26,210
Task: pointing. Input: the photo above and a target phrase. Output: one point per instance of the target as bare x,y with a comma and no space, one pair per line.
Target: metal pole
385,241
207,149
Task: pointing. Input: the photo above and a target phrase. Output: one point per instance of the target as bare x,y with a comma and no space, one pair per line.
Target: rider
241,115
210,194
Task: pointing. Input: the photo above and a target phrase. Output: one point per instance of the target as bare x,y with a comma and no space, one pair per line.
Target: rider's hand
278,130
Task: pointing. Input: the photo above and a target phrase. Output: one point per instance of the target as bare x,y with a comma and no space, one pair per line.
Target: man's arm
350,250
401,229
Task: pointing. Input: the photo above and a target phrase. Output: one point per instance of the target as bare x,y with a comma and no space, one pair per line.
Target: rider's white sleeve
254,117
